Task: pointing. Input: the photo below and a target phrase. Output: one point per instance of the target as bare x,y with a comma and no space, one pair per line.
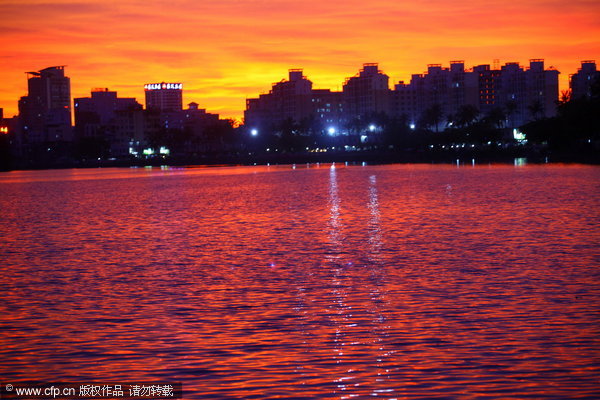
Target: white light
331,131
518,135
371,127
412,126
158,86
254,132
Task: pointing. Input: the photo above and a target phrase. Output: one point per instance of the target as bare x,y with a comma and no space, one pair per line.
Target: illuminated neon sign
163,86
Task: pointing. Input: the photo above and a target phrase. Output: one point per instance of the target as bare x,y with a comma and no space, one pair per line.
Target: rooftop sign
163,86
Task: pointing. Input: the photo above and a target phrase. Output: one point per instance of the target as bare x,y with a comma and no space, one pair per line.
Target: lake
306,281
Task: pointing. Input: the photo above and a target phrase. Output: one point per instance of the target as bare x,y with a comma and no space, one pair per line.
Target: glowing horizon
224,52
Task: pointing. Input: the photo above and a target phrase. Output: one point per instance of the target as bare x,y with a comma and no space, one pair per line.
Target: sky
224,51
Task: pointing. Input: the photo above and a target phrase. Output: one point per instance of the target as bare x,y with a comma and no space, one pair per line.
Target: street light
331,131
254,132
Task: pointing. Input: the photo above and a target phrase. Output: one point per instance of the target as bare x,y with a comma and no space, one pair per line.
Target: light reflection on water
319,282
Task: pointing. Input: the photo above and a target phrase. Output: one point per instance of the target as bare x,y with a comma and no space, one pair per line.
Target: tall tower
46,110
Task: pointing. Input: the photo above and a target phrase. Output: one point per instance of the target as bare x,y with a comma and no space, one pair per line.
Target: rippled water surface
395,281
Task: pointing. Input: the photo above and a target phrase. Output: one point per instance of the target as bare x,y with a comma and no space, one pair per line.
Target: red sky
226,50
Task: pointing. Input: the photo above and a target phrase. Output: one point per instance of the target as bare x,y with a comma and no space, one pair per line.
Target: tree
565,96
496,117
536,109
432,116
289,130
467,114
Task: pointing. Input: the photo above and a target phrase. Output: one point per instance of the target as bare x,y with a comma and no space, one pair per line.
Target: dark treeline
575,131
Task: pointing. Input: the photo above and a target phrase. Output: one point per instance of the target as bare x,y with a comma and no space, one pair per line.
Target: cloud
226,50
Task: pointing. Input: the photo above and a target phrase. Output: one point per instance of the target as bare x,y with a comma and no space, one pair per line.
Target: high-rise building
293,97
449,89
288,99
509,96
45,112
518,94
524,94
582,81
541,89
164,97
367,92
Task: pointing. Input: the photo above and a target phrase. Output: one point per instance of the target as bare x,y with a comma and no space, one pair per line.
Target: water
398,281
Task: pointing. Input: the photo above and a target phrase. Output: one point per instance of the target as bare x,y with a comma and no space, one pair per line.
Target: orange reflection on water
316,282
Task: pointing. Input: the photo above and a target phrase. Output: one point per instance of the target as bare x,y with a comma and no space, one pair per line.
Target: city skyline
230,51
149,89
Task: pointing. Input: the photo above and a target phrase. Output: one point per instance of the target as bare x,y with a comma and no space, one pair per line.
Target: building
103,103
367,92
8,127
99,110
448,89
107,121
164,97
259,115
329,111
514,94
287,100
581,82
541,86
45,113
523,94
507,96
201,130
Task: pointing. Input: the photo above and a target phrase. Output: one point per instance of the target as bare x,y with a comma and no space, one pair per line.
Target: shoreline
490,156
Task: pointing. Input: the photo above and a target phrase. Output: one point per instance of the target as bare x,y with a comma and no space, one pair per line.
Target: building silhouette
512,94
164,97
581,82
328,110
106,120
367,92
287,100
45,112
448,89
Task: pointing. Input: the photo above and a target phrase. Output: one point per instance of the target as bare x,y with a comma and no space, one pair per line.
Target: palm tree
496,117
536,109
466,115
433,116
565,96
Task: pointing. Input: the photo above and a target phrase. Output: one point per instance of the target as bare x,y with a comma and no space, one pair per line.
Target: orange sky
226,50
